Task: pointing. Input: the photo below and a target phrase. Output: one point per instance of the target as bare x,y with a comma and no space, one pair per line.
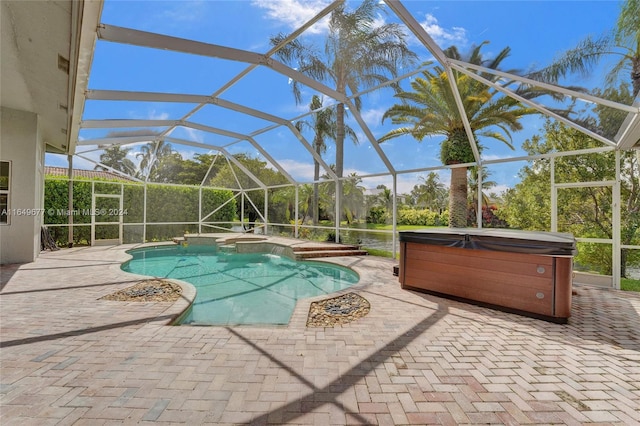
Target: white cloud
442,36
373,117
149,115
298,170
186,153
500,189
195,134
56,160
295,13
153,115
188,133
303,172
82,164
405,184
491,157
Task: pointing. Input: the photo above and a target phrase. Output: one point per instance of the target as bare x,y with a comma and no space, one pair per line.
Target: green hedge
422,217
164,204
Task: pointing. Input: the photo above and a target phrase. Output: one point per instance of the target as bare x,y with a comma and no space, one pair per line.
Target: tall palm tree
357,54
323,125
623,41
430,110
116,157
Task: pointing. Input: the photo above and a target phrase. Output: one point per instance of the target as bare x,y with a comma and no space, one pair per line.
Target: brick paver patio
69,358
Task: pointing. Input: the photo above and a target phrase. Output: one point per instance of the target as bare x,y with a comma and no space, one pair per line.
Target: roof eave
85,19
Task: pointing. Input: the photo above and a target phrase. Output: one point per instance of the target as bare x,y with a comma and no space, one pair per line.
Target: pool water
237,288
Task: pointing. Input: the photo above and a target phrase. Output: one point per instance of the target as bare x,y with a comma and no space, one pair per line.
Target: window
5,174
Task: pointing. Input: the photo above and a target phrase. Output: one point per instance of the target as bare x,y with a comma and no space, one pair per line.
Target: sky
536,31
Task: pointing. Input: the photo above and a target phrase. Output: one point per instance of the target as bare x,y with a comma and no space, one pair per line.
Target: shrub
165,203
421,217
490,217
377,214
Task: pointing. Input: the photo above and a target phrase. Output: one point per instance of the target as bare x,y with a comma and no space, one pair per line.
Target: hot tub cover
507,240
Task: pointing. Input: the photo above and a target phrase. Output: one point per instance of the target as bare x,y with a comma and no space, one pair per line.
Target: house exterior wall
22,145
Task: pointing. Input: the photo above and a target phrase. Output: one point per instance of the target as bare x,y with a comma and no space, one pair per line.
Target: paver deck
69,358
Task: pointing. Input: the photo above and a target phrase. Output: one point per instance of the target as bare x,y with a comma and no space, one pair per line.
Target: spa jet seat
528,273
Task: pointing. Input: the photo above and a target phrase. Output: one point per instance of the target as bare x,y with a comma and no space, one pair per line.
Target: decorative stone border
151,290
337,310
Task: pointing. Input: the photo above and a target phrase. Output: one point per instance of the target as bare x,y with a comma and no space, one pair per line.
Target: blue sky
535,30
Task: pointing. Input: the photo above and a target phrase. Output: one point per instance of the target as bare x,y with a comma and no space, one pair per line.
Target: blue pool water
234,288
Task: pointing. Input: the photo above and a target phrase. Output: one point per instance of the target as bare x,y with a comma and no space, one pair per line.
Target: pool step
301,249
327,252
324,247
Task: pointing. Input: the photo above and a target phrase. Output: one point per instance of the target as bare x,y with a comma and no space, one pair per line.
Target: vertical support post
554,197
296,210
266,211
120,213
144,213
200,210
70,202
617,221
479,195
394,218
338,198
93,216
242,210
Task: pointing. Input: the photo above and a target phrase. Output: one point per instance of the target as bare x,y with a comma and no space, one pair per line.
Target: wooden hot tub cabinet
529,273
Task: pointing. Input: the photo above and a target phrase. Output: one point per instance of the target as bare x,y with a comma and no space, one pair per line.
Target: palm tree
324,126
116,158
354,197
151,154
430,110
353,193
385,198
357,54
432,193
623,41
306,195
486,185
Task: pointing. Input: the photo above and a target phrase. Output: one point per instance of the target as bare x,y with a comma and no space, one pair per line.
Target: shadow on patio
414,359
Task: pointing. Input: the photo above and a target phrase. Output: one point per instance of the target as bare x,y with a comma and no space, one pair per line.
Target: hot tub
518,271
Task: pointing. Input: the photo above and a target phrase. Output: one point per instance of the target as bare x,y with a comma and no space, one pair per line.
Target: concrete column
21,144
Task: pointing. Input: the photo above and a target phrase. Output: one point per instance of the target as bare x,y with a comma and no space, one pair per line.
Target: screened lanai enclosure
348,121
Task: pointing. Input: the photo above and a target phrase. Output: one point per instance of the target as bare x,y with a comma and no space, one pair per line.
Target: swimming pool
240,288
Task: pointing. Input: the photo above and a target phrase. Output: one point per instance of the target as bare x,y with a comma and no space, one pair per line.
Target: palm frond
579,59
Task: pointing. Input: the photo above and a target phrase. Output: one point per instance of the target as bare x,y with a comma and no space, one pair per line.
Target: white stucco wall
20,143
